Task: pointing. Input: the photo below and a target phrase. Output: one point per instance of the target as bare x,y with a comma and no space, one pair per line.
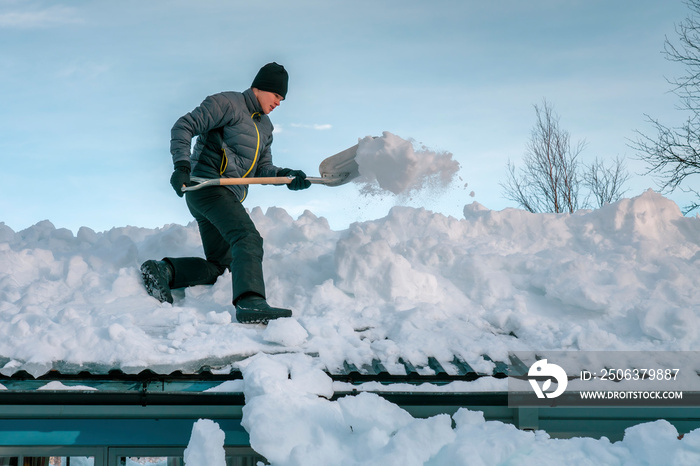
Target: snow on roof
410,288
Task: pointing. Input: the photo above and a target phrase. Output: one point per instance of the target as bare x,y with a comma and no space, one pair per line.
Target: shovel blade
340,168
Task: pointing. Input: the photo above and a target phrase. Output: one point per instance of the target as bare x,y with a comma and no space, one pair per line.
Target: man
234,137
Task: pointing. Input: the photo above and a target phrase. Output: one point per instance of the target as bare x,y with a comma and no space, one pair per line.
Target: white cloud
318,127
38,18
83,70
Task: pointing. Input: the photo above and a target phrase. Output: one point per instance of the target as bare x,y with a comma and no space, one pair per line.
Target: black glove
180,178
299,181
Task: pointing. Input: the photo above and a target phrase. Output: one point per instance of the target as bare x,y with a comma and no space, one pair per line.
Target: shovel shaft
259,180
276,180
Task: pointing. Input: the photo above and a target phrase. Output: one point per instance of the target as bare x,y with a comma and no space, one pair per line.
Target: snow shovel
335,170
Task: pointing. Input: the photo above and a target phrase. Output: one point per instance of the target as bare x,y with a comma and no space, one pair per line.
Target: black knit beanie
272,78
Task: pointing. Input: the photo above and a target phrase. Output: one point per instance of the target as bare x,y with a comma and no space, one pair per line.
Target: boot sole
255,316
154,282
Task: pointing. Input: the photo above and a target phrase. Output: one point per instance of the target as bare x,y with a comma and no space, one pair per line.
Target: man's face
268,100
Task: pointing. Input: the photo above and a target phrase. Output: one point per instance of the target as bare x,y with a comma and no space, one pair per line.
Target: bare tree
674,154
549,180
605,184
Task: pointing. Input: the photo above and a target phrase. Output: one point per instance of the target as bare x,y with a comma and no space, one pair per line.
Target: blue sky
89,91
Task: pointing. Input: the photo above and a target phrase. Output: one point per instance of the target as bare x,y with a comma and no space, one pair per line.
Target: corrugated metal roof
435,371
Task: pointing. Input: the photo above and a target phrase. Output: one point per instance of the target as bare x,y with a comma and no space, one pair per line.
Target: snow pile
362,429
366,429
206,446
390,163
619,278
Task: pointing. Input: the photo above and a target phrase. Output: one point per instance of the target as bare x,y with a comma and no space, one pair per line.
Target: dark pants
230,241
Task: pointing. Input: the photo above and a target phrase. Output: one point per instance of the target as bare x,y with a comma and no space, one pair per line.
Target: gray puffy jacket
234,138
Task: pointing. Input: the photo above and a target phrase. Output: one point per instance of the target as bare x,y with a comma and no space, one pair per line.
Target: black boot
157,277
253,309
